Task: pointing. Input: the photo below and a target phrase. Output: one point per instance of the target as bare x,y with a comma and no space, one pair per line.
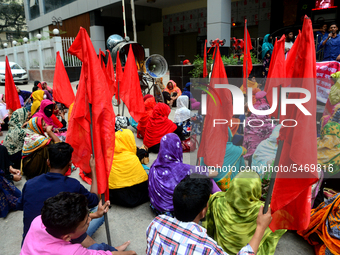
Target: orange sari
323,228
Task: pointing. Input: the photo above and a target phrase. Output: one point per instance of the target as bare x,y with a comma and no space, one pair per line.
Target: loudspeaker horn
156,66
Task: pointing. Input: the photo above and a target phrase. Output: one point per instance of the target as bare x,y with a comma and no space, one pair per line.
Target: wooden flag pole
102,195
276,163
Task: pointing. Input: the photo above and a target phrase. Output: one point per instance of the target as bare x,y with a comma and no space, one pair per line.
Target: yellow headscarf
38,96
126,169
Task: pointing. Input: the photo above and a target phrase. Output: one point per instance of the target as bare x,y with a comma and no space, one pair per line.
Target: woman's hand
25,124
49,129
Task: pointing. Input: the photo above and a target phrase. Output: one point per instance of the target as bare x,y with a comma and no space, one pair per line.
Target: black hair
60,154
62,213
333,23
323,23
35,88
288,30
191,196
36,83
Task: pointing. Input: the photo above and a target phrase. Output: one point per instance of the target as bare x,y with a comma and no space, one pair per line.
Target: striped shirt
166,235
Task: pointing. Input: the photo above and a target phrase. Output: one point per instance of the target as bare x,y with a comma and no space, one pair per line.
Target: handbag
190,144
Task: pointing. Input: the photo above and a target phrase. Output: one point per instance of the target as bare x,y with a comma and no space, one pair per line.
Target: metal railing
69,60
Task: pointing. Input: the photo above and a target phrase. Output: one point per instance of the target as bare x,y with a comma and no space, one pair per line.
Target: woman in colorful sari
128,181
15,136
149,104
231,216
333,101
4,113
329,155
158,126
35,152
46,112
173,91
166,172
263,127
233,161
265,153
323,230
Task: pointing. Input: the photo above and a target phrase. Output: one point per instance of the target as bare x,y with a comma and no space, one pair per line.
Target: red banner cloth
11,93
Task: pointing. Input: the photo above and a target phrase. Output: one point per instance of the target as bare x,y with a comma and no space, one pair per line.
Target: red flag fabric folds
111,74
62,89
11,93
92,89
205,70
291,199
247,63
277,72
131,92
214,139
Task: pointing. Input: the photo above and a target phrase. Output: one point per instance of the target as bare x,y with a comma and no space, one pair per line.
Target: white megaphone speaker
156,66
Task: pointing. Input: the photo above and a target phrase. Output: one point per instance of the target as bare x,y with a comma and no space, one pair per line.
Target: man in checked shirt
183,235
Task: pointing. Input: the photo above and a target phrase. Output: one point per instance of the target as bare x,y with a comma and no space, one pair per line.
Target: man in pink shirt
63,217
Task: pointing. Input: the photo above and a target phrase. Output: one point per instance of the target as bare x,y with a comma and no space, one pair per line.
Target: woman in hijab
46,112
183,115
37,96
267,50
254,135
43,86
128,181
166,172
233,161
149,104
34,151
4,114
231,216
158,126
15,136
266,151
173,91
194,105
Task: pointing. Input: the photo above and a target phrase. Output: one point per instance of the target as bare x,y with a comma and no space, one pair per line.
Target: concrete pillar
58,46
219,20
26,60
98,38
41,7
15,54
41,63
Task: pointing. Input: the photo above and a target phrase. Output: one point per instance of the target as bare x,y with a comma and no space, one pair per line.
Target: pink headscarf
40,113
260,99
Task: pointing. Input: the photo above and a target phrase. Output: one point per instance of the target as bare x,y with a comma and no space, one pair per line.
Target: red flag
291,58
11,93
277,72
111,74
214,139
119,76
62,89
247,63
205,70
92,89
131,92
291,200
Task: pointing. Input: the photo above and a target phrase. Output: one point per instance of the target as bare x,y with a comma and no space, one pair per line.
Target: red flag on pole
291,59
205,70
62,89
111,74
214,139
119,75
277,72
291,200
11,93
92,89
247,63
131,92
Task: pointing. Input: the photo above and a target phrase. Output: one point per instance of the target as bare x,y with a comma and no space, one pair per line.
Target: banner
324,81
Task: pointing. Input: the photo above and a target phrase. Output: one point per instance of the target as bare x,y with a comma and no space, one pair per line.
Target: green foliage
12,16
61,32
197,72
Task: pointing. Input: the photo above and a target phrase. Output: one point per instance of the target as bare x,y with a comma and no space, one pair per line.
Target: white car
19,74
